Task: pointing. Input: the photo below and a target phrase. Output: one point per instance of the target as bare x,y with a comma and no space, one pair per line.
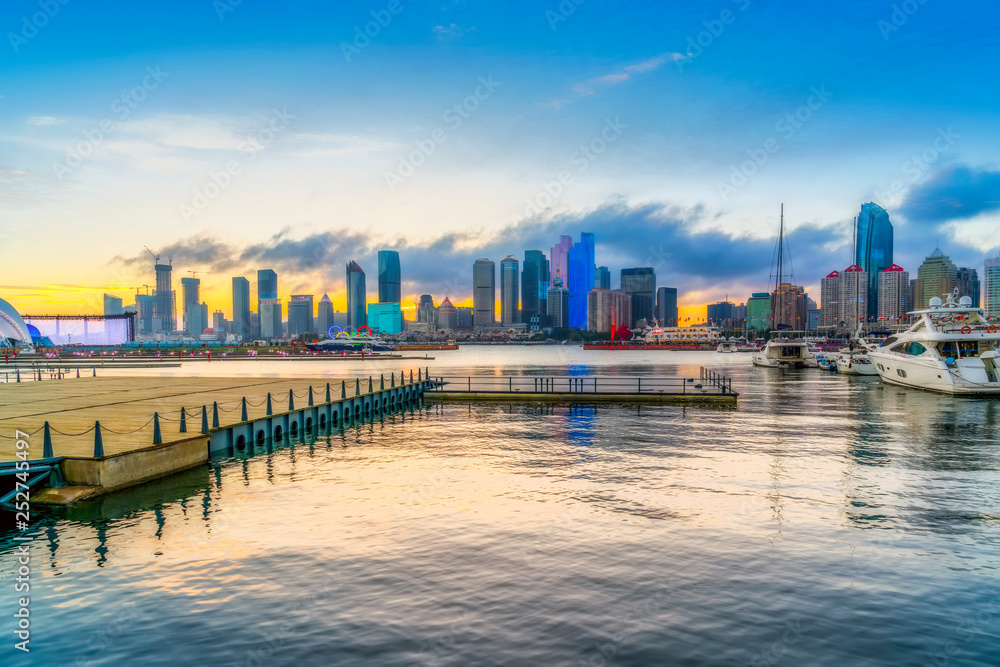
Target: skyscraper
164,313
300,315
580,260
270,318
426,312
447,319
509,291
893,294
759,311
874,251
484,293
193,324
145,305
854,298
558,257
357,296
324,316
936,277
241,306
788,307
640,283
602,278
666,306
557,304
112,305
829,298
534,284
991,288
389,283
267,287
968,284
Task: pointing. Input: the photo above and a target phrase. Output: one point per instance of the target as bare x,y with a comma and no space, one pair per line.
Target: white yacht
786,349
855,362
951,349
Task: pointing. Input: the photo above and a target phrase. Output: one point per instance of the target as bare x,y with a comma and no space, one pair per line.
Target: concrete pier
150,427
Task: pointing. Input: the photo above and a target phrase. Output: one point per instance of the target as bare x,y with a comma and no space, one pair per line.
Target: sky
233,135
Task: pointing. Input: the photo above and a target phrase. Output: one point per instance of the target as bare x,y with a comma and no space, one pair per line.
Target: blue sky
258,131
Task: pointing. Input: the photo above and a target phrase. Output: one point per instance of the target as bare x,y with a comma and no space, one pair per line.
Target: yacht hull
929,375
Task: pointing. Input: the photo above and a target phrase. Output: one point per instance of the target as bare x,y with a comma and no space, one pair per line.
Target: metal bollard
47,443
157,437
98,441
270,411
184,424
243,410
204,419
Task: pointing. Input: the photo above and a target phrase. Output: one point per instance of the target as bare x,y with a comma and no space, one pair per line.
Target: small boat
727,347
951,349
786,349
826,363
855,362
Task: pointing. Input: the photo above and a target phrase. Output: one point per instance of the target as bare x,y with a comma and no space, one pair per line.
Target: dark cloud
660,235
955,193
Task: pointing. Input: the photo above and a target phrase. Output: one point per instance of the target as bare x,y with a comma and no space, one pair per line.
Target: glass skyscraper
508,291
484,293
602,278
534,284
874,252
991,287
389,290
241,306
357,296
580,264
640,282
666,306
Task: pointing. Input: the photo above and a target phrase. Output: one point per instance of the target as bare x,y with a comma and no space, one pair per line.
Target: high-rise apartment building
829,300
145,306
759,311
357,296
300,315
936,277
854,298
164,309
534,284
666,306
324,315
484,293
893,294
602,278
991,286
874,251
270,319
194,325
509,291
580,264
608,310
241,307
640,283
557,305
389,282
789,307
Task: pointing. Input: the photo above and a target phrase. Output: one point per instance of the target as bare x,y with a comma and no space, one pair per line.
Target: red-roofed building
893,294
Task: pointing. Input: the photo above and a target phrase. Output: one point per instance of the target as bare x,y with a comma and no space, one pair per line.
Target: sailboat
785,348
853,359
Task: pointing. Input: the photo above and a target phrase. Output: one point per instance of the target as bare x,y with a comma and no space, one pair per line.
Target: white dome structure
12,327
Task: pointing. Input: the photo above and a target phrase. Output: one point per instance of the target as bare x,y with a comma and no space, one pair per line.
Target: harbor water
822,520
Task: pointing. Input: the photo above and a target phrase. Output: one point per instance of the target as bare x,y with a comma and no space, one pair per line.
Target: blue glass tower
389,277
874,251
580,264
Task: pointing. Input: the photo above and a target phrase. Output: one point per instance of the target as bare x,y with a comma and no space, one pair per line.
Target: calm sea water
823,521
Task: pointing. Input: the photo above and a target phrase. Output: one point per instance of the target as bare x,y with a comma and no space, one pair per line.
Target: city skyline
656,142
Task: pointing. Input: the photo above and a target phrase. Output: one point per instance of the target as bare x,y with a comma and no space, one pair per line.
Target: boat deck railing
588,384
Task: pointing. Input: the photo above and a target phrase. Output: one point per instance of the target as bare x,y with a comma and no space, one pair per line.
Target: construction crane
156,258
140,287
194,274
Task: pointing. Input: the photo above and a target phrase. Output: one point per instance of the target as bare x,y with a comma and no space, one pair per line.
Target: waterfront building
558,260
464,317
386,318
829,299
759,312
164,309
357,296
936,277
874,249
241,307
194,325
608,310
640,283
324,315
447,316
580,264
145,305
389,282
666,306
854,298
270,319
968,284
788,307
534,284
509,291
300,315
484,293
112,305
991,286
893,294
602,278
557,305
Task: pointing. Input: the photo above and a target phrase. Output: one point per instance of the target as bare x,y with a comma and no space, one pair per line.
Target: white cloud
452,30
592,86
45,121
327,144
